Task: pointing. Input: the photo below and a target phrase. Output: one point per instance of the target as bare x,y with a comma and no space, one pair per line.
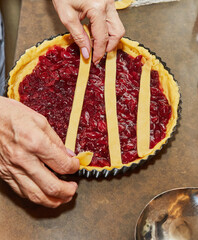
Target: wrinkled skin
27,142
106,27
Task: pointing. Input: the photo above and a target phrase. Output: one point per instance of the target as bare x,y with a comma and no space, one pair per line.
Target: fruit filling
49,90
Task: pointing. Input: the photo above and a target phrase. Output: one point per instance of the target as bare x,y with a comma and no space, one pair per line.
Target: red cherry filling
49,90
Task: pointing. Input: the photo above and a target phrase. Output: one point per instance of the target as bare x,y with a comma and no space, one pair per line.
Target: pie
113,115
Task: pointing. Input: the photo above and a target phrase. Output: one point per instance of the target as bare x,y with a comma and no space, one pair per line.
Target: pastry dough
81,84
123,4
143,114
111,110
85,158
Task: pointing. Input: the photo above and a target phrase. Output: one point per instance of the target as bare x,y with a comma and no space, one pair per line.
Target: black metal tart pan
115,171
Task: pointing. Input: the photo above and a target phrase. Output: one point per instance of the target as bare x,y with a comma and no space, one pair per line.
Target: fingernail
85,52
70,152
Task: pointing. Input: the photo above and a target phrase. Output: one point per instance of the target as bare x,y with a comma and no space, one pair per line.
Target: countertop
109,208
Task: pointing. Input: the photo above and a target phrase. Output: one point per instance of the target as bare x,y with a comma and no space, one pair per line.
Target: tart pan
113,172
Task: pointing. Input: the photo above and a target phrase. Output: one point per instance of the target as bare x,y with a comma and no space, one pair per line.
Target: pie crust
111,111
121,4
143,114
81,84
30,58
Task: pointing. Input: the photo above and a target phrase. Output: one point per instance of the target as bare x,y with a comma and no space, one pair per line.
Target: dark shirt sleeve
2,58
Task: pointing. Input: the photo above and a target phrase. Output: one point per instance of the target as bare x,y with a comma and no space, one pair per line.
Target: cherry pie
112,115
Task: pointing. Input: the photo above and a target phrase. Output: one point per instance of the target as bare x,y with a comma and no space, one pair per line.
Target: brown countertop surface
109,208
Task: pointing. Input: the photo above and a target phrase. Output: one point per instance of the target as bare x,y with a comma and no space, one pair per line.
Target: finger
58,157
14,185
115,28
70,18
47,146
99,31
70,153
31,191
47,181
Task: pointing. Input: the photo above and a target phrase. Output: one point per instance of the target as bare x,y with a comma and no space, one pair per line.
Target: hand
27,142
106,27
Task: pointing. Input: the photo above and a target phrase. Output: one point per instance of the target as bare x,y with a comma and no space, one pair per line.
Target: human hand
27,142
106,27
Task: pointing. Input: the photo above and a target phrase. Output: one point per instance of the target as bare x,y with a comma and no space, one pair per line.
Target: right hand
106,26
27,143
